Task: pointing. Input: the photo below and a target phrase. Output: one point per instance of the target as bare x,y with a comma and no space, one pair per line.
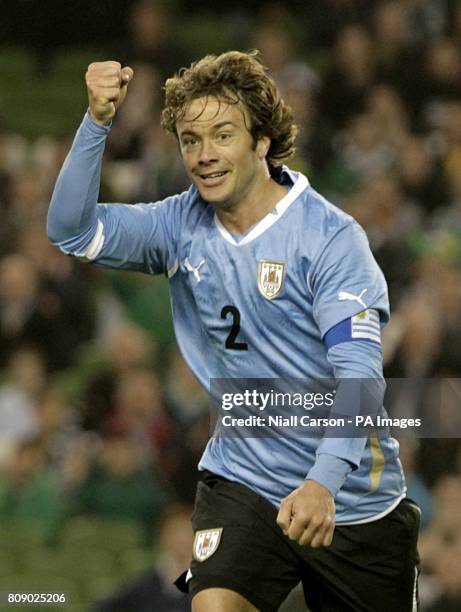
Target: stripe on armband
362,326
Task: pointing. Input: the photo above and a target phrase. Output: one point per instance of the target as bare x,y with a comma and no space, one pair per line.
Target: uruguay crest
206,543
270,278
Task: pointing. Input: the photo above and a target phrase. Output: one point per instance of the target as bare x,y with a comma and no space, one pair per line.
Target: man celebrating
267,280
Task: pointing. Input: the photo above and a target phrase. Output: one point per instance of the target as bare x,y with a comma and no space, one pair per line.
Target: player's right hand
307,515
107,83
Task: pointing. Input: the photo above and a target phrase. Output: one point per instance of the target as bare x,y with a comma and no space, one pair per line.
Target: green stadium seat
104,535
87,563
136,560
102,587
71,64
204,35
20,535
16,65
45,559
10,561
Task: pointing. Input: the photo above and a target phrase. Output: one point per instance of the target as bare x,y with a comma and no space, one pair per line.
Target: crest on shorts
206,543
270,278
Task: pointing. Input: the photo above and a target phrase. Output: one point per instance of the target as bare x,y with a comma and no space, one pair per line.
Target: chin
219,200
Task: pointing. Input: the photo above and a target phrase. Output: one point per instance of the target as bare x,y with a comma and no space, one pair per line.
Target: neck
264,196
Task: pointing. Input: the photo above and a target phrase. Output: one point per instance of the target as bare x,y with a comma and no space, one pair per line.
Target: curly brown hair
235,77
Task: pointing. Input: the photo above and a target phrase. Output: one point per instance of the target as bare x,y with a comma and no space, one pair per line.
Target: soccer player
267,280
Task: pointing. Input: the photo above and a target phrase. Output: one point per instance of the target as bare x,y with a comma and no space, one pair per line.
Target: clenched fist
307,515
107,83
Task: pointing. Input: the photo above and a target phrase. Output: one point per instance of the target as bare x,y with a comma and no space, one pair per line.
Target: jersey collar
300,183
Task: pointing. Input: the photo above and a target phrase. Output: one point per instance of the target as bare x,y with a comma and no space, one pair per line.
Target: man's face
219,152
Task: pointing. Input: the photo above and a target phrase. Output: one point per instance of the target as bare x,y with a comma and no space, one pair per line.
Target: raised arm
136,237
73,204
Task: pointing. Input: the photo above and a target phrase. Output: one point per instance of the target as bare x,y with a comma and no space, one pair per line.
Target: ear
262,147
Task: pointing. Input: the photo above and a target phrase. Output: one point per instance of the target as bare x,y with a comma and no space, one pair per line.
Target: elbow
59,223
87,243
52,232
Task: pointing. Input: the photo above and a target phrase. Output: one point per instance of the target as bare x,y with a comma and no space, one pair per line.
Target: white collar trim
266,222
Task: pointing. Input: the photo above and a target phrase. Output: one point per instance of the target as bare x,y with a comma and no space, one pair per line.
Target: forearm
330,471
72,213
360,391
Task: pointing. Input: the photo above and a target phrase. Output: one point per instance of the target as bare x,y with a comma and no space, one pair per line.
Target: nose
207,154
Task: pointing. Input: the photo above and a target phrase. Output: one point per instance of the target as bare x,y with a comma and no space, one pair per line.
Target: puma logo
344,295
194,269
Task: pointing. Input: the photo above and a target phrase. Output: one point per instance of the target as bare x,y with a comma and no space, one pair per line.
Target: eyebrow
218,126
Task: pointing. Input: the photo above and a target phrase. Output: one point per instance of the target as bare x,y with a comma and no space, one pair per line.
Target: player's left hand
307,515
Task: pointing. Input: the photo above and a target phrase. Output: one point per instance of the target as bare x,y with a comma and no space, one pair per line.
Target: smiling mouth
213,178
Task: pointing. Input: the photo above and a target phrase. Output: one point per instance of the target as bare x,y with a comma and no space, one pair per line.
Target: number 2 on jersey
230,340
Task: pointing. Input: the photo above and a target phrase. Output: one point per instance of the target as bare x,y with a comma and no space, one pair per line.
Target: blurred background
101,422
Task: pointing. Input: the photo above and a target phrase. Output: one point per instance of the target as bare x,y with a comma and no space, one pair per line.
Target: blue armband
362,326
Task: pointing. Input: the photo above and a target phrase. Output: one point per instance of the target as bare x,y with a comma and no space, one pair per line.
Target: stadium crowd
99,415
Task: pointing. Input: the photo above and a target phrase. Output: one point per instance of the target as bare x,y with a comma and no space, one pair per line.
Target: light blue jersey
282,301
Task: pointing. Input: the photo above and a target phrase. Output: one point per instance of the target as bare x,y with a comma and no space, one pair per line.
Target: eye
189,141
222,136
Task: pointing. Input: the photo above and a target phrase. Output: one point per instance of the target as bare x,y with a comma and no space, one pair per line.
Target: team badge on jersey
206,543
270,278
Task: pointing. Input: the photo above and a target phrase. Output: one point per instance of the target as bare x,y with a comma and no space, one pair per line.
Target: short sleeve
345,279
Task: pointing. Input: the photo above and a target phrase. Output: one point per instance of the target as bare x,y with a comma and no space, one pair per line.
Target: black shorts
370,567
